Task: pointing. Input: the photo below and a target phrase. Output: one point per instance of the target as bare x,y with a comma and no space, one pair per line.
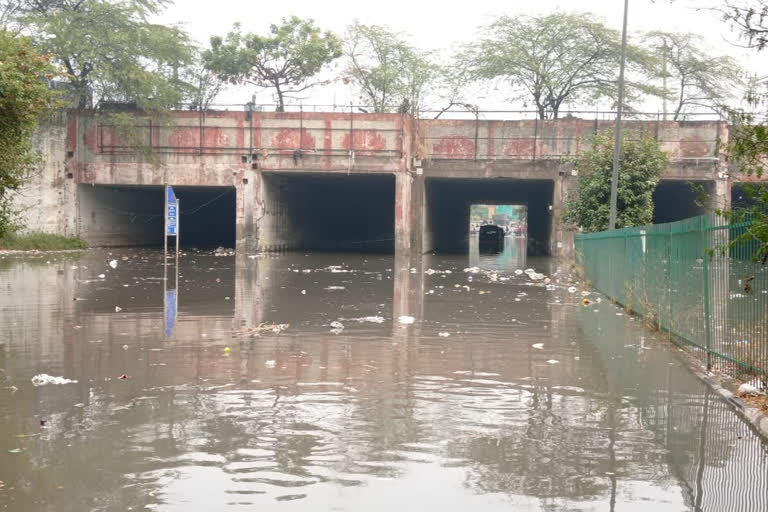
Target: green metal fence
663,272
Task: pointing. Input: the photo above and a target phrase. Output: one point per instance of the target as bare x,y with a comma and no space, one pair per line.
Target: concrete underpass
132,215
328,212
448,202
677,199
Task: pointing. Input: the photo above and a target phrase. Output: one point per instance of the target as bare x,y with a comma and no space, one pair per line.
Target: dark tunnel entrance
448,203
329,212
740,196
132,215
675,200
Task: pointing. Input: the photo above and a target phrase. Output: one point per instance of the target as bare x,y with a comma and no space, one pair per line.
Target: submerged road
298,382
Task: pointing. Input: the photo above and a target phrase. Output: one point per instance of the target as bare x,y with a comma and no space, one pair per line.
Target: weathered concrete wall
47,203
250,151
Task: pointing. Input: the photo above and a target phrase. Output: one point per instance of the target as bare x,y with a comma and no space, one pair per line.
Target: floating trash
553,361
539,346
443,334
113,263
45,379
270,363
405,319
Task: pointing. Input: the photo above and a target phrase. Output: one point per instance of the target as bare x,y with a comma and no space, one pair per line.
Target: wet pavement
235,392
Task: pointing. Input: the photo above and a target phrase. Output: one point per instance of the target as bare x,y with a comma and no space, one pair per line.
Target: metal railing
708,302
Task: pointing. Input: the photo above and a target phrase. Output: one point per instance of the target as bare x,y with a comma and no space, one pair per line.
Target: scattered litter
553,361
585,301
113,263
123,377
337,325
405,319
539,346
443,334
749,389
270,363
303,292
264,327
75,267
15,450
226,350
585,293
571,289
334,288
118,309
44,378
472,270
102,276
371,319
551,287
125,347
518,272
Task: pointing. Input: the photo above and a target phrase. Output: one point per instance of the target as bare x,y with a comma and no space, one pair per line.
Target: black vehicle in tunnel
490,238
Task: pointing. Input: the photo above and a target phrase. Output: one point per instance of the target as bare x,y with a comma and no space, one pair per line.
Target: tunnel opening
449,204
675,200
132,215
328,212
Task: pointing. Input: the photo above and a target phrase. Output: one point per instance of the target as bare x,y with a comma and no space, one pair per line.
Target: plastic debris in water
539,346
334,288
518,272
371,319
337,325
123,377
443,334
102,276
553,361
270,363
113,263
44,378
405,319
303,292
571,289
226,350
118,309
550,287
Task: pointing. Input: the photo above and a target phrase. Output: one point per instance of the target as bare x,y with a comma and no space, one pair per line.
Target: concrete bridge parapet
289,168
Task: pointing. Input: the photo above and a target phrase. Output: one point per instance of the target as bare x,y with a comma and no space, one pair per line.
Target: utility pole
617,142
664,78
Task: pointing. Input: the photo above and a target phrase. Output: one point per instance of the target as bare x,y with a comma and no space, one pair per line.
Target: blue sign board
172,213
170,311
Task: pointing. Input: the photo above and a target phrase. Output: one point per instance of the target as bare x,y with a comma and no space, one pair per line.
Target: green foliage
748,151
388,71
24,99
40,242
557,59
696,79
110,48
285,59
640,167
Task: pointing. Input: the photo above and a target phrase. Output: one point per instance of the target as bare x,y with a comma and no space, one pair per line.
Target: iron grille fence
706,301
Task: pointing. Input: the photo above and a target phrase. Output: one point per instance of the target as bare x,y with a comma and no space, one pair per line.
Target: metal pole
178,230
165,224
617,142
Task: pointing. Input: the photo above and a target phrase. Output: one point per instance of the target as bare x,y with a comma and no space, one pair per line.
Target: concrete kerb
753,415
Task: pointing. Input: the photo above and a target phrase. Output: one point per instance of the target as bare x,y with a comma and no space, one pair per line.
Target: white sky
439,25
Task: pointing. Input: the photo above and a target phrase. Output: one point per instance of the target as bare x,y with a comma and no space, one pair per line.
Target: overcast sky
439,25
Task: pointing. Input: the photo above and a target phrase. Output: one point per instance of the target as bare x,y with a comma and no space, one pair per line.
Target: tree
698,79
110,50
205,86
389,72
750,19
640,167
286,59
557,59
24,99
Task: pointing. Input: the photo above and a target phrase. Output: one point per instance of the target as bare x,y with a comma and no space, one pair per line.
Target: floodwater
501,395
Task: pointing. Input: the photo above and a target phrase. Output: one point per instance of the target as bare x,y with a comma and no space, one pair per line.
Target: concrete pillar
722,194
247,187
561,238
404,227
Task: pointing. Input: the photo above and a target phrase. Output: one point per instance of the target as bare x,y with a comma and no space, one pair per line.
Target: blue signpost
171,228
172,218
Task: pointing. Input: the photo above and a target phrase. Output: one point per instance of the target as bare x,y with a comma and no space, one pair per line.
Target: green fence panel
717,304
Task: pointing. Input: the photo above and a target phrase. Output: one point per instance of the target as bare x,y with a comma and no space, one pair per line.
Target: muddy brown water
456,411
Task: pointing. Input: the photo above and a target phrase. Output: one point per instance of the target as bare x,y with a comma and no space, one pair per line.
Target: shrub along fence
666,273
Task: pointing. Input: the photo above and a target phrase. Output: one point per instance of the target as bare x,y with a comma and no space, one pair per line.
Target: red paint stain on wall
454,146
364,142
691,148
289,139
519,148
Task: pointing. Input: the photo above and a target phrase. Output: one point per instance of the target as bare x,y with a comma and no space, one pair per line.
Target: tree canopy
24,99
389,73
694,78
557,59
110,50
286,59
640,167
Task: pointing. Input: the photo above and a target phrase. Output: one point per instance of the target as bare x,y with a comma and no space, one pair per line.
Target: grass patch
40,242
